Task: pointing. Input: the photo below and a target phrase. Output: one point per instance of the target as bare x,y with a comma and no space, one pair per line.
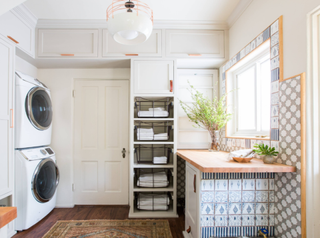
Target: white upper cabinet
150,48
195,43
7,53
68,43
19,31
153,76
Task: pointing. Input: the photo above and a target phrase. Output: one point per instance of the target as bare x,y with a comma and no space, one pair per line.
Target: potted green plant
207,114
267,152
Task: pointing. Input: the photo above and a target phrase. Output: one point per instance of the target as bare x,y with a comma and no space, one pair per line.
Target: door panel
6,117
191,201
55,43
150,48
101,132
153,76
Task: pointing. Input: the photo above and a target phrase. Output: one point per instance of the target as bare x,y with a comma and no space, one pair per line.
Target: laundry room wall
61,84
257,17
26,68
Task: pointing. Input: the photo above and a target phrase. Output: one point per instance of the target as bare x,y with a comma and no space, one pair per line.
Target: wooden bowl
242,160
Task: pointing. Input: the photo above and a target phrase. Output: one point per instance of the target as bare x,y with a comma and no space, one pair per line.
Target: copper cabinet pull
13,39
67,54
12,119
131,54
171,86
195,55
189,229
194,183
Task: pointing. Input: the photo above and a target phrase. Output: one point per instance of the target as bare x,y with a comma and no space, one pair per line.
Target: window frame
256,63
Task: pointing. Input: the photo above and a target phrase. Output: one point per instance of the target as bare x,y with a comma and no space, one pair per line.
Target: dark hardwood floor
92,212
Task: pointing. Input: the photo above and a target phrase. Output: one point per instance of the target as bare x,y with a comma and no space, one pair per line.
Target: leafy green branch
265,150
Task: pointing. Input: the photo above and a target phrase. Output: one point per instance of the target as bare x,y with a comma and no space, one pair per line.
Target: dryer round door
39,108
45,180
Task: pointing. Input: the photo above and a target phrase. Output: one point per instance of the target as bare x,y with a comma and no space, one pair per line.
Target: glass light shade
128,28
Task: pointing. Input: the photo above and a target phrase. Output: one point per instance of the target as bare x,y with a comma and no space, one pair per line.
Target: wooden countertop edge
267,169
7,214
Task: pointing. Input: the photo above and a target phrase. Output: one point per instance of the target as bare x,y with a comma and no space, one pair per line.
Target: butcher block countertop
216,162
7,214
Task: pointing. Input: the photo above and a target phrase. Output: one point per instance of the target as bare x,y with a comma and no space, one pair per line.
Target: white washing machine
33,117
36,180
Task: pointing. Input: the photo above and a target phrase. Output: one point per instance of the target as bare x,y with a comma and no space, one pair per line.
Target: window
250,97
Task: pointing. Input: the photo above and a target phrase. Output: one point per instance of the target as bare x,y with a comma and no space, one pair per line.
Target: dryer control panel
37,153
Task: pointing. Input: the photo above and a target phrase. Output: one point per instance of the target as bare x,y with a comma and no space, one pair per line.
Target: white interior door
100,134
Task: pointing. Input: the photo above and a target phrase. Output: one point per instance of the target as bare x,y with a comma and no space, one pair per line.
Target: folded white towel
145,138
149,199
153,208
160,160
156,109
158,176
153,114
145,131
161,138
153,184
160,135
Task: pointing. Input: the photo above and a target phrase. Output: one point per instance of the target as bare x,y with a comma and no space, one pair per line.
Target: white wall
258,16
61,83
26,68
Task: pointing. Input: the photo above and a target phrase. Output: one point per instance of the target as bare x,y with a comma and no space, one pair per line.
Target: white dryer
33,117
36,180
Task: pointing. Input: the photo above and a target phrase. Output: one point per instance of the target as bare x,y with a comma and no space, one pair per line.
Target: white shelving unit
172,165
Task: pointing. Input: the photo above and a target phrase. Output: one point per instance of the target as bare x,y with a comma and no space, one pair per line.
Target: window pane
265,95
246,100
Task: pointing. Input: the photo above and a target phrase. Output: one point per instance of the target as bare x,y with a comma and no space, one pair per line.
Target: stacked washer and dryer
36,171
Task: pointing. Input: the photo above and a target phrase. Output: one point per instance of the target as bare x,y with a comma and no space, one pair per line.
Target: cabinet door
150,48
195,43
11,25
6,117
153,76
192,201
67,43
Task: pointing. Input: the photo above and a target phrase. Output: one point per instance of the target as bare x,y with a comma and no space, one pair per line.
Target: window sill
248,137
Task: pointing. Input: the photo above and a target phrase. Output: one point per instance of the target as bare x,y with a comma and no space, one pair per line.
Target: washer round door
39,108
45,180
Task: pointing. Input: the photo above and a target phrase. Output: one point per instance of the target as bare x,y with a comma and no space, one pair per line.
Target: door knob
123,153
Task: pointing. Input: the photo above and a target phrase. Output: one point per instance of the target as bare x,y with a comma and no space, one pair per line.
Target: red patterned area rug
110,228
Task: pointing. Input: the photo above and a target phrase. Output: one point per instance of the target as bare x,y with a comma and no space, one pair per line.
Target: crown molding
23,12
238,11
158,24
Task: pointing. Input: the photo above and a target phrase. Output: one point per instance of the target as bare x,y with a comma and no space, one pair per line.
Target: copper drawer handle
194,183
67,54
131,54
195,55
171,86
12,119
13,39
189,229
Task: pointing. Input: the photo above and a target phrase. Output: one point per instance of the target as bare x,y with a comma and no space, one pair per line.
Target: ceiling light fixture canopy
130,22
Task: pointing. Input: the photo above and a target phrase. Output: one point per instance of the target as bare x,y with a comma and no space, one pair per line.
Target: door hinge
74,93
73,187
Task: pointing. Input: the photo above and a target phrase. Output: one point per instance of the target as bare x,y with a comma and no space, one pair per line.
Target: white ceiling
182,10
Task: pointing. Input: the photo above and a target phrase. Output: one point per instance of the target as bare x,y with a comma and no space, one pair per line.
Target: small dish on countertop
242,159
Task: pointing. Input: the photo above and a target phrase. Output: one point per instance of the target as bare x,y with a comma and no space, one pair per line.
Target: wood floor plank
90,213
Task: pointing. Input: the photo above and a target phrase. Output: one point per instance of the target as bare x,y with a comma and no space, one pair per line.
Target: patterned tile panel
234,204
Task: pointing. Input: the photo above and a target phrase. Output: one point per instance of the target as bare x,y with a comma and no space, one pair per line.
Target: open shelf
153,119
166,189
155,214
157,142
142,166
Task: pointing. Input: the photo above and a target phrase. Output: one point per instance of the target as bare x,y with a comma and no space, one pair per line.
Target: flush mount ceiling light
129,22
